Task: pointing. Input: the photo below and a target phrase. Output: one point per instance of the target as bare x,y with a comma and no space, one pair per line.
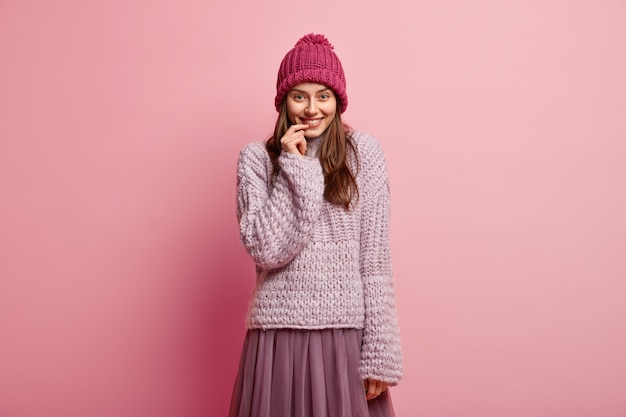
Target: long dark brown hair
340,186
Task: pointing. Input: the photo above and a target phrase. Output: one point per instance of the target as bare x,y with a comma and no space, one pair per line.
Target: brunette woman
313,210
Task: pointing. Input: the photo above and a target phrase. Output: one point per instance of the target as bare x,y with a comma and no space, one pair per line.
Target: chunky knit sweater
318,265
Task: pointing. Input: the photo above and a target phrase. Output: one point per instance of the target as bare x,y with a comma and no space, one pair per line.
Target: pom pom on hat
312,59
315,40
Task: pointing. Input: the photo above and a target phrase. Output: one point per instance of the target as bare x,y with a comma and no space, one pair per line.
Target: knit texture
319,266
312,59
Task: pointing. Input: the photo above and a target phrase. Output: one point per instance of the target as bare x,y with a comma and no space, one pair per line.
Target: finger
292,134
301,145
298,127
375,388
293,138
294,143
372,388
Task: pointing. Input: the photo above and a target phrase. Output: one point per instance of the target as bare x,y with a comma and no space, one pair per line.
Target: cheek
293,110
292,105
330,113
331,109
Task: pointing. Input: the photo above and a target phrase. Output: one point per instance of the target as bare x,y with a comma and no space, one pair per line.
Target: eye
298,97
326,95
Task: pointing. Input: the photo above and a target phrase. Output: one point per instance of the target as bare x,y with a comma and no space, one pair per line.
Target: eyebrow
317,92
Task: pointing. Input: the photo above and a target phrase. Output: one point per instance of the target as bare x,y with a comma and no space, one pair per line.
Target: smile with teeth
311,122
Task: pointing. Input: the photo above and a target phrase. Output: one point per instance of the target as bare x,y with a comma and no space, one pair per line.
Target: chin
313,133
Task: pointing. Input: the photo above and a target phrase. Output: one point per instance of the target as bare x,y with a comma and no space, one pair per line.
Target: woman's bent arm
276,220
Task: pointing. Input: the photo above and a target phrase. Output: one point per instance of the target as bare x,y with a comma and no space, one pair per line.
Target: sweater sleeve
276,221
381,356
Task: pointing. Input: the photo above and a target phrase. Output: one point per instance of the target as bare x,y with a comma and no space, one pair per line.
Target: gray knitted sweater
318,265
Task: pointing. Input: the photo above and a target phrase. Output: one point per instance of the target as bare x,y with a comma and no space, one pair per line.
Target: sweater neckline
313,145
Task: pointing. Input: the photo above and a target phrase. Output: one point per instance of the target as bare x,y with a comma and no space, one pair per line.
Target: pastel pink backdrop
123,285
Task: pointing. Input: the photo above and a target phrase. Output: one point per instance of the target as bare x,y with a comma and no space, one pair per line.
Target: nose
312,107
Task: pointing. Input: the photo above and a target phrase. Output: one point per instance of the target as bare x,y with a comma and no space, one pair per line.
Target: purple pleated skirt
303,373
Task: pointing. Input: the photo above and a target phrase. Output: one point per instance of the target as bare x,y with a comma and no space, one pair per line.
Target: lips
311,122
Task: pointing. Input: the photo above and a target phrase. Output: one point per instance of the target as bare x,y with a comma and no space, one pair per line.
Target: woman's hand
374,387
293,141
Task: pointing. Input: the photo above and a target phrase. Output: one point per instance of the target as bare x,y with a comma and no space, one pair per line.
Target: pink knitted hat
312,60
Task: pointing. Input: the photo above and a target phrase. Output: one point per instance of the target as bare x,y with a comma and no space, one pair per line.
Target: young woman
313,210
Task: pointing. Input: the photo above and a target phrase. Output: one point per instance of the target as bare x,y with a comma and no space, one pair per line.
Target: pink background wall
123,285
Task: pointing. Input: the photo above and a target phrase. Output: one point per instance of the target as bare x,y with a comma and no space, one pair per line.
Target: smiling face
312,104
